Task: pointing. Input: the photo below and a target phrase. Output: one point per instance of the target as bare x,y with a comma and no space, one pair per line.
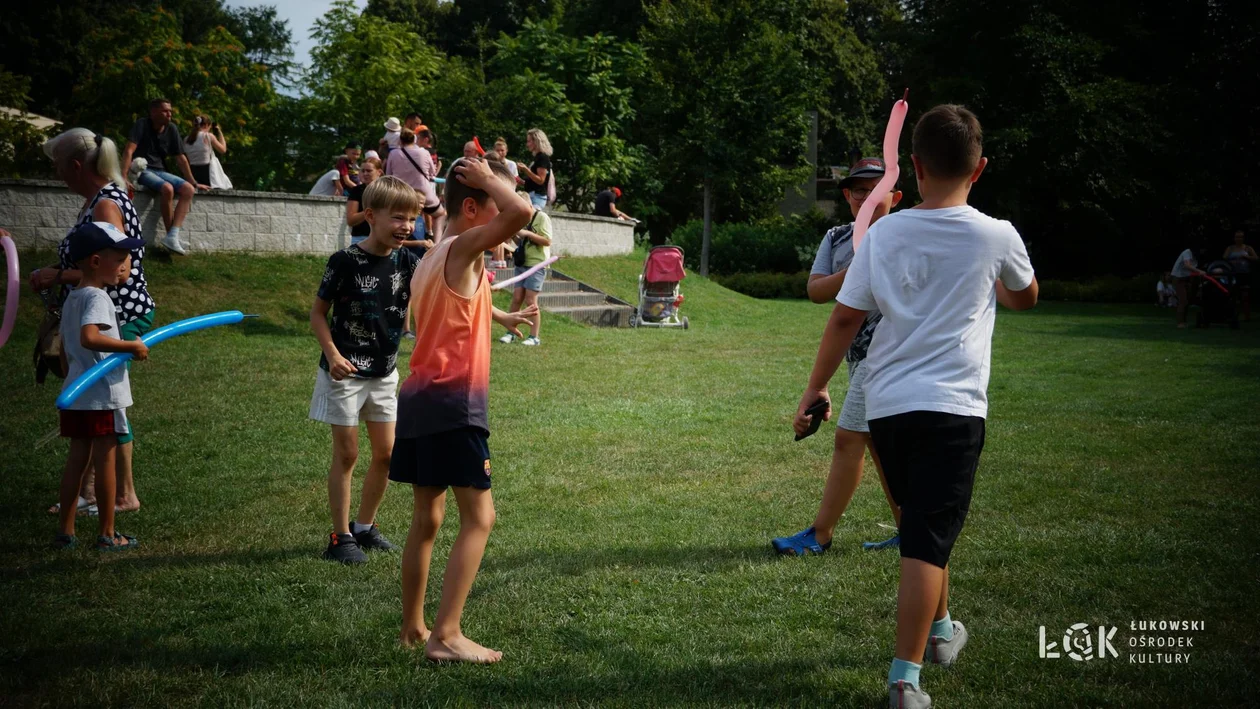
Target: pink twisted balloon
892,135
11,295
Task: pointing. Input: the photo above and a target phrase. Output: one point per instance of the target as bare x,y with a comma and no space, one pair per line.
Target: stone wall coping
244,194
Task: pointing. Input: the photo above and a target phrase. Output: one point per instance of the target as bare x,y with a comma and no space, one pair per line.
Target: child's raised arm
513,215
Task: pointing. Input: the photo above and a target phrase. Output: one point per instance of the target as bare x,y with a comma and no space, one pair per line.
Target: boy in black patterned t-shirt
367,286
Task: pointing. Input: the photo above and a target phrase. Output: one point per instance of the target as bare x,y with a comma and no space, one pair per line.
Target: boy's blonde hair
390,194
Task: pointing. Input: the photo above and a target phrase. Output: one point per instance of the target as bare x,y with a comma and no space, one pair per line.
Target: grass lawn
639,477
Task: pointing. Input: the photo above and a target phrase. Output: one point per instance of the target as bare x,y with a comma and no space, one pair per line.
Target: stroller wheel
634,318
686,323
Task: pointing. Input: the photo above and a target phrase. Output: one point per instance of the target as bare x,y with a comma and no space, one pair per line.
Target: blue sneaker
894,541
799,544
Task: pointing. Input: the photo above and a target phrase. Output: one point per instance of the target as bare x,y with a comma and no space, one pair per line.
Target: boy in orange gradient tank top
443,428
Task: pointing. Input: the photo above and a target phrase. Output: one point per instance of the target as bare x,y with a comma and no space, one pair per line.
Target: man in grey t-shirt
831,264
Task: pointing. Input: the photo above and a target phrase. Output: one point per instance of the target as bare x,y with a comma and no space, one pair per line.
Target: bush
775,245
767,285
1108,289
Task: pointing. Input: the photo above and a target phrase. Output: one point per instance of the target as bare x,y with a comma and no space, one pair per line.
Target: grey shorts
853,412
534,282
354,399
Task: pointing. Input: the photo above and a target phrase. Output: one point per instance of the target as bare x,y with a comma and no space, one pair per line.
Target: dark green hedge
767,285
775,245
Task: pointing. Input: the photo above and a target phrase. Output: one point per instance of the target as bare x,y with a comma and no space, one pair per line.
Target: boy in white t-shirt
935,272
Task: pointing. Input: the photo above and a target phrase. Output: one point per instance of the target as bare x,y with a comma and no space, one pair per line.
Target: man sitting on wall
156,139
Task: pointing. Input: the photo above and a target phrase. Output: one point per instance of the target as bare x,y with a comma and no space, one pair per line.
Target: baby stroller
659,296
1217,304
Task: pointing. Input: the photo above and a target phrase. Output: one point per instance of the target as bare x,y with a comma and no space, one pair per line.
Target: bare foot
459,649
122,504
412,637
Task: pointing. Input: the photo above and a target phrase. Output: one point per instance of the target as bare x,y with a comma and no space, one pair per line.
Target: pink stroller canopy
665,266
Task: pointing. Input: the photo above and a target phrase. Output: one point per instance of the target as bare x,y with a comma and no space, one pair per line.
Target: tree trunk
708,224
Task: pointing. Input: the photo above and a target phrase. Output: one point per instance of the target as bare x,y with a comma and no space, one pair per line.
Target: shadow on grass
71,562
1150,331
593,670
572,562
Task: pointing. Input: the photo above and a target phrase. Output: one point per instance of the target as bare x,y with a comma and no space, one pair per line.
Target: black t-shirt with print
542,161
155,147
356,195
369,296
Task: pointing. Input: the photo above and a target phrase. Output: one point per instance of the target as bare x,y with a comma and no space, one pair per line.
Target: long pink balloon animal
892,134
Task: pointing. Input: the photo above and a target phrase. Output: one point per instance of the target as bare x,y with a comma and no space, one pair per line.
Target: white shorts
354,399
853,412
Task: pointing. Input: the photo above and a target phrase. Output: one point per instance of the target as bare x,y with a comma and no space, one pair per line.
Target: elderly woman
88,164
536,174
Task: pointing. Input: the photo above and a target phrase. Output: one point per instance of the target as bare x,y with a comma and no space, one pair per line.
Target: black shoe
343,548
371,538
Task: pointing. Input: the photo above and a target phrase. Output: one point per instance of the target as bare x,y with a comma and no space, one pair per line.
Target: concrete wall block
254,223
270,242
195,222
236,241
239,206
204,242
224,223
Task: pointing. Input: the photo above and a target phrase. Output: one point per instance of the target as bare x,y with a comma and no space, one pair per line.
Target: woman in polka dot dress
88,163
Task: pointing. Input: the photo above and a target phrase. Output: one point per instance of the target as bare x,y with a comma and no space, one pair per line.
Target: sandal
64,541
104,543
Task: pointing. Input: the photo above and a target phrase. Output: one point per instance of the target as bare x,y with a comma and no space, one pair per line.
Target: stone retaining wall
38,213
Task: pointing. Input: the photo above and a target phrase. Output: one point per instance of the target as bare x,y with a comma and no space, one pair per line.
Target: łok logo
1078,643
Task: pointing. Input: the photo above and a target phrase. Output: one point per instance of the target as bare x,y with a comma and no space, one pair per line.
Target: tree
144,57
730,101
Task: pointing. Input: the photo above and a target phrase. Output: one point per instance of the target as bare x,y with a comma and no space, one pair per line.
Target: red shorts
87,424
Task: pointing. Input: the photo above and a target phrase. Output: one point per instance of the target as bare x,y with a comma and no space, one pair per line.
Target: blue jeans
538,200
153,180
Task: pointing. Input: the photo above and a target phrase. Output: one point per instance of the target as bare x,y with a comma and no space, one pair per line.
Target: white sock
356,528
172,233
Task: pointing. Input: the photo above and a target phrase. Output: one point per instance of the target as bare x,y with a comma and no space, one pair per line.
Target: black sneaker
343,548
371,538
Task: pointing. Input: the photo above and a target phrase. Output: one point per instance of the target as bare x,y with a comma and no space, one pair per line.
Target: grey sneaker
371,538
508,339
343,548
903,695
531,341
945,652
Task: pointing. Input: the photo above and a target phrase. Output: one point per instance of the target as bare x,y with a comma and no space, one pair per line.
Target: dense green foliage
1116,132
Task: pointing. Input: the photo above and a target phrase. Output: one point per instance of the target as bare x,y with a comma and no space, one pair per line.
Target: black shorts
929,459
458,458
432,210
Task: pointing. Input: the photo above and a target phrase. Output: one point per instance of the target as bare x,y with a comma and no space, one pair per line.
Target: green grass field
639,476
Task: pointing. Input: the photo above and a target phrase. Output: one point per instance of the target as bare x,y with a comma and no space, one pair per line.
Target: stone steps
580,302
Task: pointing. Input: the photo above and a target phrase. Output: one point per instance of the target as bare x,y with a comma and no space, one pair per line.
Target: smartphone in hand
815,413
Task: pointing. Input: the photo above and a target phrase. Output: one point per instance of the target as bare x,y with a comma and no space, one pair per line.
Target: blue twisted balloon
110,363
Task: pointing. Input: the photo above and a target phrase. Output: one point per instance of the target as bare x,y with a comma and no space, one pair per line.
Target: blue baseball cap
91,237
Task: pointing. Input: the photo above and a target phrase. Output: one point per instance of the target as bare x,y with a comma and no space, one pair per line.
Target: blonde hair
96,152
540,141
390,194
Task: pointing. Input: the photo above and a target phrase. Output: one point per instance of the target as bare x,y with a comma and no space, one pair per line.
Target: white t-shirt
199,151
92,306
931,272
326,185
1180,269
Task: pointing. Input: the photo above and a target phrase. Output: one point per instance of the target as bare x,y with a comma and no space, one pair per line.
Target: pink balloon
892,135
11,296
